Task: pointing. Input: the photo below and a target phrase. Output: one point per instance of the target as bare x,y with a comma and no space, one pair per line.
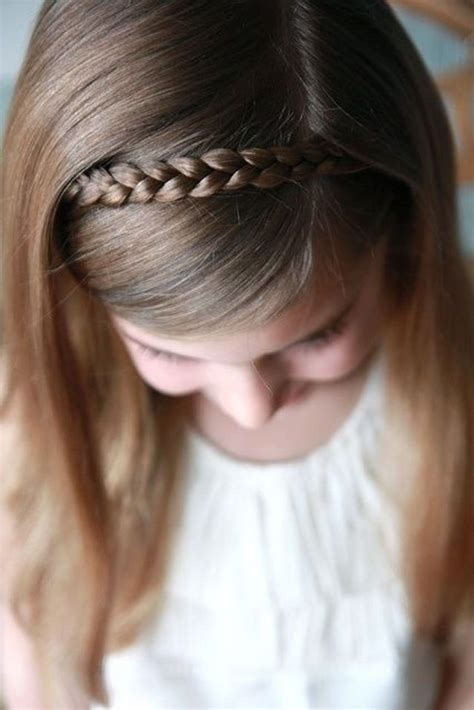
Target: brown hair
94,458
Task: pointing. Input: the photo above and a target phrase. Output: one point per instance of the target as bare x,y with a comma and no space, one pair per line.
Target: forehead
328,294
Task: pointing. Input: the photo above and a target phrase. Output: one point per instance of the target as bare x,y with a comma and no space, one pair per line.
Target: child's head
247,265
160,199
178,249
124,217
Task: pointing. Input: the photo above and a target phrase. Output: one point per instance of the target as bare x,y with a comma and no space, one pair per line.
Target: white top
283,591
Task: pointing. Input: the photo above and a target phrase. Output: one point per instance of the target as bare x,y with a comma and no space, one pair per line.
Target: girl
237,363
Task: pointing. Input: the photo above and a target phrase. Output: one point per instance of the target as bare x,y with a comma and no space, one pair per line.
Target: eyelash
327,335
321,340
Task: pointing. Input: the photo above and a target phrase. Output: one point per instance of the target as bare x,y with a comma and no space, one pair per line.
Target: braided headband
221,169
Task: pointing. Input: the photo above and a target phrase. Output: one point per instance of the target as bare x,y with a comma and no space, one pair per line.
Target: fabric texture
283,589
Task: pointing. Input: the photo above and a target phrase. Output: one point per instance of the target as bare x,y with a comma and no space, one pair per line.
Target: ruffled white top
283,589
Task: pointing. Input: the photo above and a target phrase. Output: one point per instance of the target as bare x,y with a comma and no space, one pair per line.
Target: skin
234,387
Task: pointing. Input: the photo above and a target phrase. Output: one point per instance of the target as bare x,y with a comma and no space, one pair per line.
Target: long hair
94,454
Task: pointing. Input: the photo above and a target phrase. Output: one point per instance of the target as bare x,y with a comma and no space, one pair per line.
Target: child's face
248,376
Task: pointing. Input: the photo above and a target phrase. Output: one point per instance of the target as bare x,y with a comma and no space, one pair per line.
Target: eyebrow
331,322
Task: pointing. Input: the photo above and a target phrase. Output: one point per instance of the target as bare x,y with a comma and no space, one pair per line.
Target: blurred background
443,31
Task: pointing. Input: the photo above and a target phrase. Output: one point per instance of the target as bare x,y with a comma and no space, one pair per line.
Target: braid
221,169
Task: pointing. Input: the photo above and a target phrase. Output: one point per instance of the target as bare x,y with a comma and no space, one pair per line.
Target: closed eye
318,341
152,353
327,335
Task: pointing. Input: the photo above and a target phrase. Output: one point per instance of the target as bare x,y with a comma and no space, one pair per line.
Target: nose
250,397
